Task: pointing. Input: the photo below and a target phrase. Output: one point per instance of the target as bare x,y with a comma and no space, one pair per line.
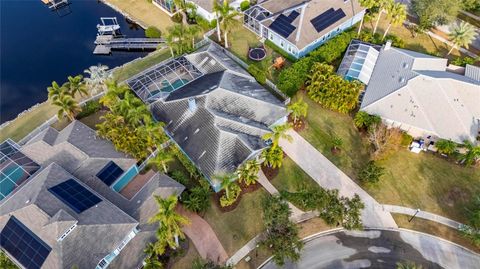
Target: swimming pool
10,177
125,178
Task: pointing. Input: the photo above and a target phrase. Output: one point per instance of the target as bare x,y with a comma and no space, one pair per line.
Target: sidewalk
422,214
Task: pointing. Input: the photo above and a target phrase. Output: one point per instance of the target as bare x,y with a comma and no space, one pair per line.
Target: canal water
38,46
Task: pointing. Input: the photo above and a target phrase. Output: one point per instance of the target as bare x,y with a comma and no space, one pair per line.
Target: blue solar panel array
282,25
29,250
75,195
110,173
327,18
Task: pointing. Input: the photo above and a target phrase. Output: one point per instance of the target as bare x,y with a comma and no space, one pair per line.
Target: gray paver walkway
328,176
422,214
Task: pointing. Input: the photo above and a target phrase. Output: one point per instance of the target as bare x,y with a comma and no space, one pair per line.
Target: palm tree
67,107
461,35
472,155
229,21
408,265
152,263
273,157
278,131
382,6
218,9
337,142
446,146
55,91
97,77
169,221
397,13
368,4
226,183
154,249
192,32
75,85
162,159
298,109
181,7
113,94
176,38
248,172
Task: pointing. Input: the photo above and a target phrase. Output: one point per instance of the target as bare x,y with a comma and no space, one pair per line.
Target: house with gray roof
91,195
299,26
418,93
214,110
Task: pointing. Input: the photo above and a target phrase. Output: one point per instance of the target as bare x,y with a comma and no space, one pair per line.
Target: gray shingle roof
416,90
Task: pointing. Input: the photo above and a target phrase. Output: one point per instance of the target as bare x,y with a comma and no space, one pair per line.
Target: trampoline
257,54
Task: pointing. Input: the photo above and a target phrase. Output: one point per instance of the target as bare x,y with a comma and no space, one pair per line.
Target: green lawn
136,67
188,258
292,178
322,125
235,228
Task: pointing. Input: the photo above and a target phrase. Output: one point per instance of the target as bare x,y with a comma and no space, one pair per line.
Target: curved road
381,249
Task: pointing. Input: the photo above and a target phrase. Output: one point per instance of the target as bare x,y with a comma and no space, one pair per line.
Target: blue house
300,26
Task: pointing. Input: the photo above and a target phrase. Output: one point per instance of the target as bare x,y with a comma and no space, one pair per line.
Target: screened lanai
160,80
15,167
359,61
253,16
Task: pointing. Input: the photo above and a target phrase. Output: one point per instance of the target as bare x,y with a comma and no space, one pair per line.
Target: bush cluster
89,108
153,32
257,73
244,5
187,164
235,191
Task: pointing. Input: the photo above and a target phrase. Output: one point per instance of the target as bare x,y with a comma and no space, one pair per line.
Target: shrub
153,32
244,5
180,177
235,191
197,199
213,23
333,49
363,120
371,173
257,73
447,147
177,17
406,139
463,61
89,108
202,22
187,164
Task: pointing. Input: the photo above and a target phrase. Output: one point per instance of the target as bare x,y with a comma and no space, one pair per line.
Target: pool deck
136,184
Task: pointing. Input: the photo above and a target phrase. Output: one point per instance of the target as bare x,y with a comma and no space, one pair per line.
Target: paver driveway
327,175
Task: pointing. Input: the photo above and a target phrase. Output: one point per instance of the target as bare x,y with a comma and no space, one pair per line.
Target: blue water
38,46
125,178
9,177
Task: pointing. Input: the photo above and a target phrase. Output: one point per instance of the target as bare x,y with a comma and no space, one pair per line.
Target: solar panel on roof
29,250
293,15
327,18
110,173
75,195
282,26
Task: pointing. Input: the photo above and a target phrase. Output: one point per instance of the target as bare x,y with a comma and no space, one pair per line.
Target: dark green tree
436,12
371,173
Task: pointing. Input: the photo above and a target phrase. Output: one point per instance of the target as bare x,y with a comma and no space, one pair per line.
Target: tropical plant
382,6
234,192
153,32
169,221
152,263
97,78
436,12
278,132
181,6
273,157
461,35
397,13
197,199
89,108
114,92
367,4
154,249
177,39
363,120
337,142
75,85
445,146
229,22
5,262
408,265
371,173
298,109
463,61
67,106
191,33
281,235
162,159
227,181
472,155
244,5
55,91
248,172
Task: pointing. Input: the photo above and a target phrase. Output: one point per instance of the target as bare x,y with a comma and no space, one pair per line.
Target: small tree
162,159
197,199
273,157
298,109
337,142
436,12
67,106
248,172
397,13
472,155
278,132
363,120
382,6
244,5
97,78
367,4
461,35
153,32
75,85
447,147
371,173
56,91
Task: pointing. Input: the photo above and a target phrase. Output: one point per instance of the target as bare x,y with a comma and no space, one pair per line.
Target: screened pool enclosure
359,61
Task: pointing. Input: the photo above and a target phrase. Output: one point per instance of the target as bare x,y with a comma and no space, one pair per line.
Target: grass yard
145,12
323,124
421,43
292,178
434,228
187,260
133,68
235,228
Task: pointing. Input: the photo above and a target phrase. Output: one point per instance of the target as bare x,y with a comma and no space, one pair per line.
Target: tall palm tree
229,21
67,106
192,32
368,4
397,13
461,35
97,77
176,38
248,172
226,183
472,155
75,85
278,131
113,94
218,9
181,6
382,6
170,222
162,159
56,91
298,109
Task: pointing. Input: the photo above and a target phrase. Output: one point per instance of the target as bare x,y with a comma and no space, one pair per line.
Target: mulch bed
229,208
269,172
299,125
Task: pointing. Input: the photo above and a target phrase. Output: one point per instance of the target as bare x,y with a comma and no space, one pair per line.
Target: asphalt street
381,249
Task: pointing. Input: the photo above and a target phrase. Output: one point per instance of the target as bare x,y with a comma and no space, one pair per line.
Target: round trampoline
257,54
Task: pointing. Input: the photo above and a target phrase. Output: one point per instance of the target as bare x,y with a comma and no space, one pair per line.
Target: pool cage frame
171,71
253,17
10,154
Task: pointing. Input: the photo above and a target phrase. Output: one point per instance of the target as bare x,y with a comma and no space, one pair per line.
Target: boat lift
109,26
61,7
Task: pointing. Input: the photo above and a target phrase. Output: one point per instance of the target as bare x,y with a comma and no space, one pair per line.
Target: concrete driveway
328,176
381,249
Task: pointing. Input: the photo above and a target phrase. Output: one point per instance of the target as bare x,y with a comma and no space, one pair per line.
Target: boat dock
106,43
